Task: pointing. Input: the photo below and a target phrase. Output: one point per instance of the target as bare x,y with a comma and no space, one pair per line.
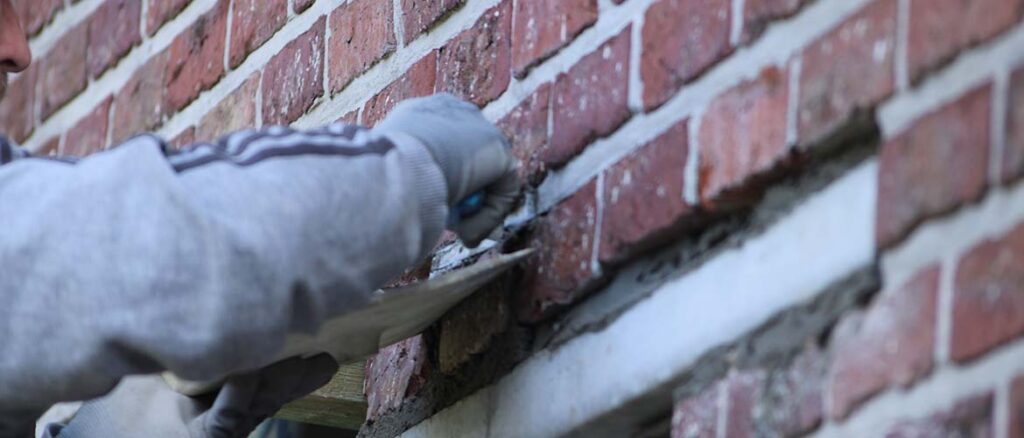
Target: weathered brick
475,65
35,14
469,328
972,417
17,108
417,81
89,134
891,344
237,111
643,196
590,100
757,14
743,390
302,5
184,138
351,118
139,105
527,128
847,71
395,373
697,416
988,296
561,270
420,15
49,148
195,59
113,31
253,22
542,27
162,11
62,73
915,181
941,28
743,135
294,79
362,33
1013,156
1016,423
681,39
784,402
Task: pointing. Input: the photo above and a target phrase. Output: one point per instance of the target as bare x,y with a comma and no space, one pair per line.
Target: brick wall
641,125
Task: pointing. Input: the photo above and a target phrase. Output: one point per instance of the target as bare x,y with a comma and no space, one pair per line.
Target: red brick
643,196
891,344
351,118
697,416
50,148
527,128
395,373
184,138
34,14
743,134
941,28
139,105
237,111
972,417
915,181
362,33
89,134
988,297
253,22
1013,156
417,81
420,15
196,57
294,79
785,402
470,328
561,271
846,71
1016,423
590,100
17,108
542,27
743,390
113,31
757,14
162,11
475,64
62,71
681,39
302,5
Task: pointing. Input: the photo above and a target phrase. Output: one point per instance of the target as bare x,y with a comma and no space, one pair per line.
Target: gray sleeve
201,261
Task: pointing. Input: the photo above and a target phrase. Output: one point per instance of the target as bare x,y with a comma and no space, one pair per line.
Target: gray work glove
473,154
146,406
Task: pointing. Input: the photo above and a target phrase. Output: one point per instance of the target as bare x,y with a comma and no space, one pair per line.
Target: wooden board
340,403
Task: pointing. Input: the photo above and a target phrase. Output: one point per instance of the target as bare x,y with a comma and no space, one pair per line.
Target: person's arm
201,262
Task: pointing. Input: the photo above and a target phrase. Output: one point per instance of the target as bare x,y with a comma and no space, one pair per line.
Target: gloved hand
146,406
473,154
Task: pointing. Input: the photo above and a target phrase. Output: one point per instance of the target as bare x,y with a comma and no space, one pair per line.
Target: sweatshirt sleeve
200,261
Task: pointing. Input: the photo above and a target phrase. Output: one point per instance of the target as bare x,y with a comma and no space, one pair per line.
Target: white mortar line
1000,96
259,103
971,69
65,20
143,20
110,124
399,23
636,83
944,312
327,55
736,32
1001,408
997,214
902,38
595,247
793,110
777,46
937,393
227,36
691,173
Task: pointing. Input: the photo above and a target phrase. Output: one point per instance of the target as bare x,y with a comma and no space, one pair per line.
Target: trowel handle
466,208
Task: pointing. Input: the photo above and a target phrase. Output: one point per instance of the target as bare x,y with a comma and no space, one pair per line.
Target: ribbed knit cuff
431,187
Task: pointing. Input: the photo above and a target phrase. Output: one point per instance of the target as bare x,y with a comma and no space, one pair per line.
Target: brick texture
302,5
113,31
914,178
34,14
988,297
757,14
848,70
697,416
681,39
470,328
417,81
17,108
543,26
1013,156
195,59
237,111
89,134
139,105
972,417
162,11
1016,408
475,64
561,270
590,100
62,73
420,15
394,373
294,79
891,344
783,402
743,134
526,126
184,138
939,29
253,22
643,196
362,33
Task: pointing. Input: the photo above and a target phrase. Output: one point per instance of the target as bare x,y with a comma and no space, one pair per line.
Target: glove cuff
431,187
